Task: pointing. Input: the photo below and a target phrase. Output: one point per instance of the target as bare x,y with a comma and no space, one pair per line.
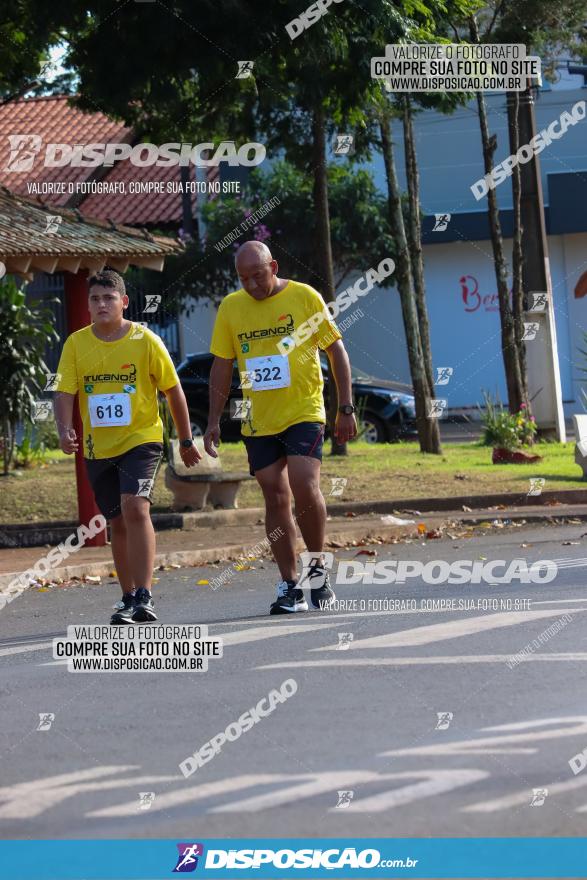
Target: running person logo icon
344,799
145,488
187,860
314,568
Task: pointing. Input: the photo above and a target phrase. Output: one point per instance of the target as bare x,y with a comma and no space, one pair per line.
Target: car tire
198,425
372,429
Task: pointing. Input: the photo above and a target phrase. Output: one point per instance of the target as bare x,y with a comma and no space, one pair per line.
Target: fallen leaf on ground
350,513
202,583
93,579
366,553
434,533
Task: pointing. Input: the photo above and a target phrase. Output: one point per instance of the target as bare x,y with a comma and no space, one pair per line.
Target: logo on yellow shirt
280,330
129,375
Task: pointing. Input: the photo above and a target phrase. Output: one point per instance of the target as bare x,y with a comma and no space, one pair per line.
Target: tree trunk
187,217
324,250
509,349
428,431
414,234
7,445
513,107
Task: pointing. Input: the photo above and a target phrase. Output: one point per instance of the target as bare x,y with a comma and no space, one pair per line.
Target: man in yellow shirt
274,328
116,368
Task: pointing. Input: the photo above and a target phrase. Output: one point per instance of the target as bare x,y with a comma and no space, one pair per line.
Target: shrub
504,429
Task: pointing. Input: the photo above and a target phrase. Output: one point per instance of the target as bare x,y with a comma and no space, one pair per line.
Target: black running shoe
144,609
124,610
323,596
289,599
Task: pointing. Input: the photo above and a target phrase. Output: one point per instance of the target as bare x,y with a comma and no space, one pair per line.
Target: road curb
204,556
39,534
335,533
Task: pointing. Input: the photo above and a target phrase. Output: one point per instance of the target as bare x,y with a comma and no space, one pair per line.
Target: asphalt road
364,719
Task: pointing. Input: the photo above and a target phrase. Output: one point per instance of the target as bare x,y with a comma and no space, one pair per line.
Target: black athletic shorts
132,473
305,438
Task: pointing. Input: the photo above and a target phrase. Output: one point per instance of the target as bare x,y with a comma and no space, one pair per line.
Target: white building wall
196,324
461,293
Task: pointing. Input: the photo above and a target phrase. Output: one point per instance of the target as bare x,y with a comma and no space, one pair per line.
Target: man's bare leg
119,539
275,487
304,479
136,513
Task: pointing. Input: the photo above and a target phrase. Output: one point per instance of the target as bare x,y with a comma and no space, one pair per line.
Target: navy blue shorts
132,473
305,438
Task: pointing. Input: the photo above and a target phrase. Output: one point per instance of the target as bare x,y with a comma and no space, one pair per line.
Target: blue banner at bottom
228,859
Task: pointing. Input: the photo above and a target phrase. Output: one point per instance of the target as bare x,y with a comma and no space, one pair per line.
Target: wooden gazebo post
78,316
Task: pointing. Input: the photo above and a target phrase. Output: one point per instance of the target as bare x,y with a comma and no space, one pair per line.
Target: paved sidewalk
225,542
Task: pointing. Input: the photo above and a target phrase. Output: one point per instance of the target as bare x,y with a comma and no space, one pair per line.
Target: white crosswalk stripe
443,660
438,632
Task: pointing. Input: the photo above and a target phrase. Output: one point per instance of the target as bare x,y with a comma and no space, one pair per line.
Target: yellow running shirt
283,390
117,384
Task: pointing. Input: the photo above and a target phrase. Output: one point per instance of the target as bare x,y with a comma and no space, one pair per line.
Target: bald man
283,405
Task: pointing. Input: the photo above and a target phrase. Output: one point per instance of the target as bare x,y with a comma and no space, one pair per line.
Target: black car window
197,368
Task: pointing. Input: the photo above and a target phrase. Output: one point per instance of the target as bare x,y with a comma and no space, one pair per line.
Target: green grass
376,473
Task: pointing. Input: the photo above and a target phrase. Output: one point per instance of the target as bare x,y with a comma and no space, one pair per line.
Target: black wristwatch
187,443
347,408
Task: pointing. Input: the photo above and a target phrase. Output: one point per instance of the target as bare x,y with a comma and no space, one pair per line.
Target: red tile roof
138,209
55,121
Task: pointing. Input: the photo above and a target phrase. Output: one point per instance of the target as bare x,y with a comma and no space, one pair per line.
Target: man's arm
220,382
346,425
63,410
181,418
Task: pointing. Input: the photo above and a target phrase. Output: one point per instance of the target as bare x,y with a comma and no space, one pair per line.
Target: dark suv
386,409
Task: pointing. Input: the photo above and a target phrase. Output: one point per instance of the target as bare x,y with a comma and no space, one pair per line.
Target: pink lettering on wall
473,300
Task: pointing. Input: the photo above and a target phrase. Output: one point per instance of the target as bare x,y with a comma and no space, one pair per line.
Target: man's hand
189,455
345,427
68,441
212,439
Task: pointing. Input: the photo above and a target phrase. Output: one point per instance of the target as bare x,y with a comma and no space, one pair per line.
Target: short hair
108,278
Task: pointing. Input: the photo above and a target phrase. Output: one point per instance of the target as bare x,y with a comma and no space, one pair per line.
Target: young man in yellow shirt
116,367
274,328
